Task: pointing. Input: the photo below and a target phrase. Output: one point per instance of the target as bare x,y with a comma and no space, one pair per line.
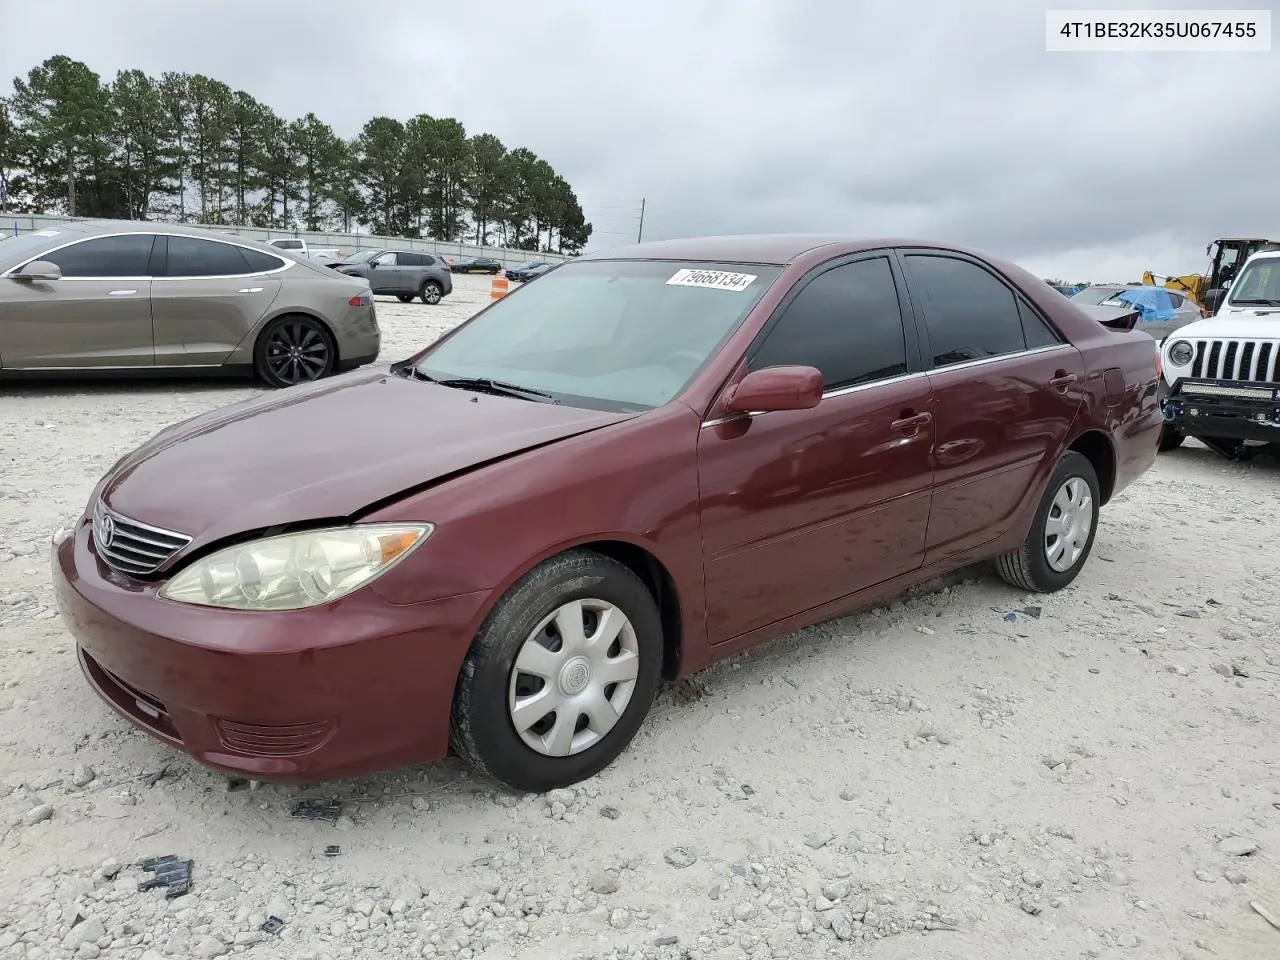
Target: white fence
348,243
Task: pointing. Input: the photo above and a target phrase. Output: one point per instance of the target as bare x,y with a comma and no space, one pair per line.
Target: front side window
969,314
605,334
196,257
125,255
846,322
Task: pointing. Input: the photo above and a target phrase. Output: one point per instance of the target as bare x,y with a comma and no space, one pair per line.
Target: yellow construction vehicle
1226,256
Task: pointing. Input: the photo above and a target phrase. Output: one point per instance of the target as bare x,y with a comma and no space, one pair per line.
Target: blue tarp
1154,302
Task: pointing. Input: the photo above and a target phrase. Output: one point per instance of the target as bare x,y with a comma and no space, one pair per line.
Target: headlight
296,570
1181,354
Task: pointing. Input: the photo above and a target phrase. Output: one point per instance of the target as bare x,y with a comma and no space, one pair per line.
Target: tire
431,292
1029,566
404,297
1171,439
274,359
484,732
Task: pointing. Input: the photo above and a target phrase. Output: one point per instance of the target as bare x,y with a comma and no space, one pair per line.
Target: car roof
775,249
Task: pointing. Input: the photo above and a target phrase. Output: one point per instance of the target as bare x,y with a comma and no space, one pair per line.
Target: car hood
325,451
1238,323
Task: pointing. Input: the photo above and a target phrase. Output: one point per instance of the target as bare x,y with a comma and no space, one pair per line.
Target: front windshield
362,256
1095,295
605,334
1258,284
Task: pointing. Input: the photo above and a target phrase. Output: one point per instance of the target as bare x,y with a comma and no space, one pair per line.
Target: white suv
1220,377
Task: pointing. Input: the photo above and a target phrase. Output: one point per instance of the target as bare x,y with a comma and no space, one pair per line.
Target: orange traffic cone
498,289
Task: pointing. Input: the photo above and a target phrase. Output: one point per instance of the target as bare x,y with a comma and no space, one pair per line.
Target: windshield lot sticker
715,279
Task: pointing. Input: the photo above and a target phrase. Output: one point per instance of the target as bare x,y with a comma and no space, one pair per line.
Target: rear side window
1035,331
260,262
122,256
196,257
969,314
847,322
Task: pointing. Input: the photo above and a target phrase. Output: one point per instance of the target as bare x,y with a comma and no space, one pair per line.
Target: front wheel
561,674
1171,438
404,297
431,292
292,350
1062,532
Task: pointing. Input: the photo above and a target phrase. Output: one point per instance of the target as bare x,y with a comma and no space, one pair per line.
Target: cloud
919,117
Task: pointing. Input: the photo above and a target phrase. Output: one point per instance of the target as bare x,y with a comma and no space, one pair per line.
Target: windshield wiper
1257,303
486,384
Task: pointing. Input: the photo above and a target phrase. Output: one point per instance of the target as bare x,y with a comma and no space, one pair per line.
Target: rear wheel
561,674
1171,438
404,297
294,349
1062,532
431,292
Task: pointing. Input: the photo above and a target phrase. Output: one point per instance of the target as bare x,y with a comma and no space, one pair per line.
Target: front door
1007,389
385,275
803,507
97,315
207,296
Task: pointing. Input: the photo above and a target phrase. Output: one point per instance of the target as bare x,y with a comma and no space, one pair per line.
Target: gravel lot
1100,780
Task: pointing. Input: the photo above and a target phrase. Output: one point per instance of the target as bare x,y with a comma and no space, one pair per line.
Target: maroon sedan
651,459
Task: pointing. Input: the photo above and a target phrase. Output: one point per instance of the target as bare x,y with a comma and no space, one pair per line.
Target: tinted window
846,322
1035,331
260,262
194,257
123,256
969,314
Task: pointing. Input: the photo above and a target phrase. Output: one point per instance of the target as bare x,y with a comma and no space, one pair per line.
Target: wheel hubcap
1068,525
573,677
297,352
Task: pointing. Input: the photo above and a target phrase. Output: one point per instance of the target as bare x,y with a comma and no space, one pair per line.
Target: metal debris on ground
273,925
168,872
314,809
332,850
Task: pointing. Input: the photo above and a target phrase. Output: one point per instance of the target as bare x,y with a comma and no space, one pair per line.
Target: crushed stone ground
927,779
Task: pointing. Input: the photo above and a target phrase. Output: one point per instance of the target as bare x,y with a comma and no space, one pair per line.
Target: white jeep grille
1242,361
132,547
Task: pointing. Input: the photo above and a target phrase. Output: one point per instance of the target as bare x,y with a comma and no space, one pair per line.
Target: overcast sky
943,119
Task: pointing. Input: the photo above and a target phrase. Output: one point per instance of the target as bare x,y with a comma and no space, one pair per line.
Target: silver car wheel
1067,527
574,677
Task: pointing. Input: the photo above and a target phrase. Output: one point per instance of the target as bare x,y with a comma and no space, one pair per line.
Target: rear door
1006,387
207,295
97,315
803,507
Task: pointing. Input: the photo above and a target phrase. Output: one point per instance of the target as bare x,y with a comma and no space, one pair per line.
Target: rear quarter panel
1121,399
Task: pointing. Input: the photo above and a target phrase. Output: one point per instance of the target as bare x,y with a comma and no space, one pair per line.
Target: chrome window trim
153,233
859,387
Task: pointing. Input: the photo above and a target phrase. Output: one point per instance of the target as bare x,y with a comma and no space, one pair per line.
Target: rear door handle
121,293
249,290
1062,380
912,422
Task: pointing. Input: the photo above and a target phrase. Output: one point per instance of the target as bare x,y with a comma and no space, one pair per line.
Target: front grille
131,547
1247,361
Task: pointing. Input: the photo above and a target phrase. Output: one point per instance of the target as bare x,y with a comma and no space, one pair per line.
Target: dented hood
325,451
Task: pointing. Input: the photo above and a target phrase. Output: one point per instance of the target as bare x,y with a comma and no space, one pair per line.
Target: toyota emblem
106,531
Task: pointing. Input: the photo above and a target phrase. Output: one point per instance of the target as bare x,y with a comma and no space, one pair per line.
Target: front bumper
1224,410
351,688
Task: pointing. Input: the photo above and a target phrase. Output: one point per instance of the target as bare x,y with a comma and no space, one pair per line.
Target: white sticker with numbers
714,279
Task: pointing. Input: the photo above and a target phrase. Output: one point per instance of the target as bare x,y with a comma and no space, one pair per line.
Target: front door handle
249,290
912,422
1061,380
121,293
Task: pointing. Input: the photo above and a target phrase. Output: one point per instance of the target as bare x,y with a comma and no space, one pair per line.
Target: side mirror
776,388
1213,300
39,270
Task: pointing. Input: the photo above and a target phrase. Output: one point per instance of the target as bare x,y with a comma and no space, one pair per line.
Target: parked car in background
539,271
651,459
1065,290
300,247
1220,374
1162,311
476,265
403,274
521,272
113,297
